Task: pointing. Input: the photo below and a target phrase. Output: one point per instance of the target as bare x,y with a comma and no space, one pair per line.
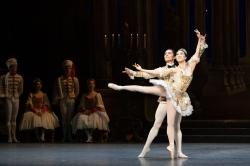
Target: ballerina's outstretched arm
155,73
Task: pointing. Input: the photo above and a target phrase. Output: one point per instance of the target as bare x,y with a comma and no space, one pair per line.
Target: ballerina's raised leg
154,90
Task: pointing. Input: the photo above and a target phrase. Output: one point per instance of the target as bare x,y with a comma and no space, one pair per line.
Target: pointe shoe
171,152
143,153
114,86
181,155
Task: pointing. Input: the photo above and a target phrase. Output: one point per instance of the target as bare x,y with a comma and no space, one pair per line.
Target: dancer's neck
182,65
170,63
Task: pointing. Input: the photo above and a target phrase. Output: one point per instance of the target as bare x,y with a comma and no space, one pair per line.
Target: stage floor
201,154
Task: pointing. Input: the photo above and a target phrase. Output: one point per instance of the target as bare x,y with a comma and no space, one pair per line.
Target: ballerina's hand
198,34
203,37
137,66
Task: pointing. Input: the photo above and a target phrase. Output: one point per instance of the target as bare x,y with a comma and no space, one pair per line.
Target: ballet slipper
181,155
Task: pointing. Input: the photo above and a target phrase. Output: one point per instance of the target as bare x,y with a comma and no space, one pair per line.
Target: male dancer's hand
129,72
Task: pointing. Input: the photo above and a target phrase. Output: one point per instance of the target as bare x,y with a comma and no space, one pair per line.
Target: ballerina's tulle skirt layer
181,102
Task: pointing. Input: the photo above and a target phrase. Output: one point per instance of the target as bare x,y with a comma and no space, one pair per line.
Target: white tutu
30,120
184,107
96,120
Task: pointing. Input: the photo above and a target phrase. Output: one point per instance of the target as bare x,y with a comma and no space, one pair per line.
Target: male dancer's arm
156,73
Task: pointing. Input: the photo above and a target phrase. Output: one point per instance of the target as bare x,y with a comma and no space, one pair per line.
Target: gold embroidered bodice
181,81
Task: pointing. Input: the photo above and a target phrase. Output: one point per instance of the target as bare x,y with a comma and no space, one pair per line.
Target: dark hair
183,50
170,50
90,79
36,80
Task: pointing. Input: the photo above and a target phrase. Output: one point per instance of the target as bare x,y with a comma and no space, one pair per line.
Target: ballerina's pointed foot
114,86
143,153
171,152
181,155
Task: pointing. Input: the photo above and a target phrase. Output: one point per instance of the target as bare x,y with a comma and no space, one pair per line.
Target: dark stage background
103,36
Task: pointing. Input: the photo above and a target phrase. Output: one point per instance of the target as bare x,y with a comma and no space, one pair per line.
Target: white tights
12,106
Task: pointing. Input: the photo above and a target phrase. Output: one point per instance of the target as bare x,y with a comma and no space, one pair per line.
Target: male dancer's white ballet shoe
114,86
143,153
181,155
171,151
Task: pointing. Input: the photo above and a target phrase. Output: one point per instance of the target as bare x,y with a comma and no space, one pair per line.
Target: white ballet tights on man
159,117
12,106
164,108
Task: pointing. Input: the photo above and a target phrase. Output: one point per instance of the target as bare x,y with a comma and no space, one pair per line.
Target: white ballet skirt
180,101
30,120
95,120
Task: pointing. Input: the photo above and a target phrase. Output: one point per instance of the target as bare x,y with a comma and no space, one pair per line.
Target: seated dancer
92,114
174,90
38,114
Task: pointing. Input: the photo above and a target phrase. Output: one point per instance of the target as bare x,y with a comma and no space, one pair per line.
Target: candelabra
134,40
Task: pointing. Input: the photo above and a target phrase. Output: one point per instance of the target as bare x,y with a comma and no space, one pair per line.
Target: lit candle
105,41
119,39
